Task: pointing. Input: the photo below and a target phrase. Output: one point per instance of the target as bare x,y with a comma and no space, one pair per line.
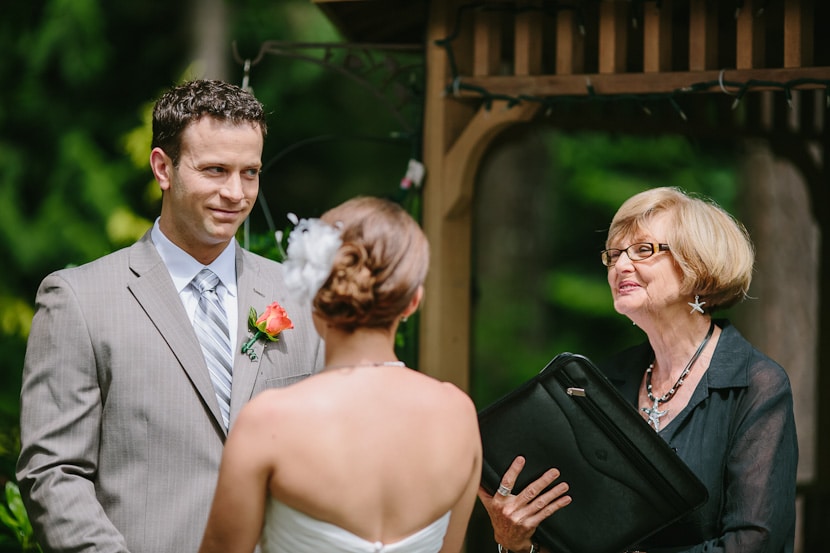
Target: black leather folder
625,481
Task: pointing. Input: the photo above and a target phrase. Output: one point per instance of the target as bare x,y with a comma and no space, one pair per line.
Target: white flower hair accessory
312,247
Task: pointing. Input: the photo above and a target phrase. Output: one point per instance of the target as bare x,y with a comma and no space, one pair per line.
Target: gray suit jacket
121,434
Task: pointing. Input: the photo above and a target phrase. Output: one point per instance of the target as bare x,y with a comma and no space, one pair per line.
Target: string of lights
386,72
459,87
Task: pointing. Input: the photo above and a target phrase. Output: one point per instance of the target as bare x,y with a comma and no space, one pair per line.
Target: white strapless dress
288,530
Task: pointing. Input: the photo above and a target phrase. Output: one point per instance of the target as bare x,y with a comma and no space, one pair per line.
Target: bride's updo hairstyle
377,270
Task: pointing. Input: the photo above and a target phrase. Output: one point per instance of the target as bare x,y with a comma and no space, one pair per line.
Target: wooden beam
570,44
798,33
528,42
444,345
466,153
703,35
613,40
750,39
639,83
657,33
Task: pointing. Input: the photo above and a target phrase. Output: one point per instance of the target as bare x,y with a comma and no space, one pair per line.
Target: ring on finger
503,490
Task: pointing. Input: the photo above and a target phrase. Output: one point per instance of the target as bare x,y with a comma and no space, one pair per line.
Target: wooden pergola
495,64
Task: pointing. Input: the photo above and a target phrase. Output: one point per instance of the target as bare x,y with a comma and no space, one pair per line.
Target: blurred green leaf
13,515
578,292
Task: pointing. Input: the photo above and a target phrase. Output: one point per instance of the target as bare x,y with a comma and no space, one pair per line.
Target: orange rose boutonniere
269,325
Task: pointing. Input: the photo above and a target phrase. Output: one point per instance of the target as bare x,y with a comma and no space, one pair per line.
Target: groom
133,375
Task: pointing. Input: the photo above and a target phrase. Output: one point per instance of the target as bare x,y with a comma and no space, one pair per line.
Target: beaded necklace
653,412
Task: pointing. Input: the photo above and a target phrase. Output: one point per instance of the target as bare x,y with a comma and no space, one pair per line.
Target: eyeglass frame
655,248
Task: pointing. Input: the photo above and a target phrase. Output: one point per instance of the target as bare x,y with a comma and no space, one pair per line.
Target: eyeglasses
635,252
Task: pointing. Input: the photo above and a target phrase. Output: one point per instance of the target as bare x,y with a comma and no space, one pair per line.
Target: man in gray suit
130,381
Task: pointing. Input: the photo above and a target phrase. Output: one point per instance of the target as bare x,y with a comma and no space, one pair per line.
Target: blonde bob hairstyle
712,249
377,270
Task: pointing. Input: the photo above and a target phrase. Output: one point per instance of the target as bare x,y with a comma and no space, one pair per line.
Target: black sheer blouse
737,433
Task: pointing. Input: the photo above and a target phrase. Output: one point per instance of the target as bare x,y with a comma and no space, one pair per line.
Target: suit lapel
246,368
154,290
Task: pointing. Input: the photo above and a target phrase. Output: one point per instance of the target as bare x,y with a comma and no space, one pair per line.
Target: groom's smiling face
212,189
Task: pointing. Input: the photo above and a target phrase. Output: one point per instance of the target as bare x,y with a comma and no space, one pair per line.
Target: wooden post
703,35
657,33
459,133
528,42
750,37
486,44
444,333
570,44
613,46
798,33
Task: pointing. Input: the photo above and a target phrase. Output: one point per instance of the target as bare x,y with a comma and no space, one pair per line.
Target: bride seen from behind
368,455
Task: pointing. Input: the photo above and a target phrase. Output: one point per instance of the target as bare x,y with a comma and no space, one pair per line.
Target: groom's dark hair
187,103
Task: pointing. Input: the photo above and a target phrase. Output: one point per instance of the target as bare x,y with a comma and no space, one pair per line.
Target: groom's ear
162,167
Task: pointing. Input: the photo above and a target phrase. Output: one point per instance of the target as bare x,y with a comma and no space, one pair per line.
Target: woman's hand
516,517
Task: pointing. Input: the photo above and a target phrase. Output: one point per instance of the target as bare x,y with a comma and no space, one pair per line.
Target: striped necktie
211,325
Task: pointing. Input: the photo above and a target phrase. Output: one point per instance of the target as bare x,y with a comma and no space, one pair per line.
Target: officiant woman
674,259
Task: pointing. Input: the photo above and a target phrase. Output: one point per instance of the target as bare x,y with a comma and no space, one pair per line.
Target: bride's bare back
378,451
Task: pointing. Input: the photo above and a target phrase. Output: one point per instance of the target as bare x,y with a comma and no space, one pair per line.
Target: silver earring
697,305
404,319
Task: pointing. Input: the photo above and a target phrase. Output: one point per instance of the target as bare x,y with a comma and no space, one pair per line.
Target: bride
368,455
